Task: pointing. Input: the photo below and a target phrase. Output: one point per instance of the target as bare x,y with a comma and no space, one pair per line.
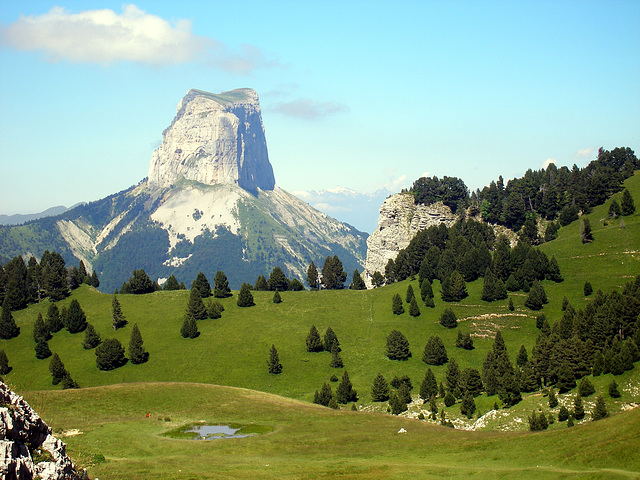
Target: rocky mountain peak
215,139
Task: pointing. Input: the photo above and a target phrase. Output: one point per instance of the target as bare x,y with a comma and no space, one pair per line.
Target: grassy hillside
233,351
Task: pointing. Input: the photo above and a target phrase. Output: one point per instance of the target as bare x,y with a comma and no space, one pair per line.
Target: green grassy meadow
222,376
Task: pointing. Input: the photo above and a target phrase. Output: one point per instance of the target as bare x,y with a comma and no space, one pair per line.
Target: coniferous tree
613,389
336,359
429,386
410,295
536,298
356,281
195,307
76,318
404,394
94,282
448,319
189,328
314,343
91,338
40,330
56,367
4,363
523,357
578,408
42,349
215,309
614,209
390,272
118,320
330,340
454,287
333,274
563,414
396,405
273,363
325,395
276,297
377,280
171,284
202,285
449,399
434,352
588,289
278,280
8,327
414,310
452,375
110,354
344,391
380,389
137,353
221,285
261,284
53,320
245,297
397,307
553,400
627,207
566,378
312,277
426,290
509,391
510,305
296,285
54,276
397,346
140,283
585,231
68,382
464,341
586,388
468,405
600,410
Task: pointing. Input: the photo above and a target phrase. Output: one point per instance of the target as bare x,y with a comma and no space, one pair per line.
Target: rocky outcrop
400,219
27,448
215,139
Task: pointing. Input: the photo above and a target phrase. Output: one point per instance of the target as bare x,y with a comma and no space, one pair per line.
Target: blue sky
362,95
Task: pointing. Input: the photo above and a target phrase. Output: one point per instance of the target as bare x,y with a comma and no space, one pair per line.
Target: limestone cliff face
27,448
400,219
215,139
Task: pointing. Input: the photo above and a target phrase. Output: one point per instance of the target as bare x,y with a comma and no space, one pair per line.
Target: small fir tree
448,319
426,290
600,410
40,330
110,354
566,378
429,386
221,285
261,284
171,283
356,281
273,363
613,389
588,289
312,277
325,395
523,357
414,310
396,405
627,206
578,408
195,307
404,394
91,338
553,400
4,363
53,321
570,421
585,231
189,328
314,343
330,340
614,209
380,389
511,307
397,307
8,327
397,346
344,391
68,382
336,359
137,353
449,399
536,298
202,285
452,375
118,319
215,309
563,414
276,297
468,405
42,349
57,370
410,294
245,297
377,279
76,318
434,352
586,388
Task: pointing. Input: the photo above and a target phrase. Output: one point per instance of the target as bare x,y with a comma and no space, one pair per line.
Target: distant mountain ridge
210,203
19,218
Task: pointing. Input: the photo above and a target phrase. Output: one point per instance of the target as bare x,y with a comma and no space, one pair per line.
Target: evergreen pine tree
570,421
40,330
8,327
454,288
330,340
404,394
344,391
333,274
448,319
536,298
56,367
452,375
585,231
396,405
53,320
377,280
553,400
468,405
426,290
76,318
195,307
140,283
380,389
91,338
110,354
118,319
245,297
221,285
510,306
627,207
171,284
578,408
95,282
356,281
68,382
614,209
414,310
523,357
273,363
600,410
613,389
566,378
278,280
429,386
276,297
434,352
563,414
336,359
202,285
42,349
323,397
410,295
588,289
54,276
314,343
215,309
586,388
137,353
4,363
449,399
397,346
189,328
397,306
261,284
312,277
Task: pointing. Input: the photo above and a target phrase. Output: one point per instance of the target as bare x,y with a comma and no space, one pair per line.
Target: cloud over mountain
307,109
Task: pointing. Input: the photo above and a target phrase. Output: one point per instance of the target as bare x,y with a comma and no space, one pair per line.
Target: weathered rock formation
400,219
215,139
27,448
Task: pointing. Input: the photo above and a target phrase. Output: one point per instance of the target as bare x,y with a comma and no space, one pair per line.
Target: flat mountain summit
210,202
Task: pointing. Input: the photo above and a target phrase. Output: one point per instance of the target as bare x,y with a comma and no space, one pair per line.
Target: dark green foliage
627,207
493,288
397,306
336,359
221,285
404,394
536,298
273,363
202,285
468,405
588,289
42,349
276,297
76,318
434,352
261,284
8,327
4,363
538,422
245,297
215,309
171,283
586,388
325,395
68,382
110,354
464,341
566,378
563,414
380,389
613,389
551,232
553,400
396,405
344,391
94,281
470,381
314,343
540,319
377,280
570,421
452,375
312,277
333,378
429,386
414,310
449,190
54,276
189,328
330,340
514,283
91,338
397,346
454,288
449,399
598,364
448,319
510,305
553,271
278,280
40,330
410,295
296,285
523,357
578,408
140,283
600,410
426,290
568,215
614,209
195,307
585,231
56,367
333,274
53,320
137,353
509,391
397,382
118,319
390,272
356,281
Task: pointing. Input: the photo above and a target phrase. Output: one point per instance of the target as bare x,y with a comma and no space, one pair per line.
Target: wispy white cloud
105,37
585,155
307,109
548,162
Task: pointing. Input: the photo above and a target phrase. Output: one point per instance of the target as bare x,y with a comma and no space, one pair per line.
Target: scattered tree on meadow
538,422
4,363
276,297
261,284
344,391
448,319
627,207
221,285
377,279
171,283
464,341
273,363
563,414
40,330
452,375
471,381
91,338
110,354
215,309
330,340
140,283
8,327
202,285
454,288
333,274
356,281
56,367
54,276
523,357
53,320
278,281
397,307
578,408
76,318
449,399
137,353
42,349
493,287
189,328
600,409
380,389
397,346
537,297
434,352
468,405
68,382
613,389
586,388
614,209
245,297
314,343
325,396
312,277
336,359
195,307
585,231
429,386
553,400
414,310
118,319
566,378
396,405
588,289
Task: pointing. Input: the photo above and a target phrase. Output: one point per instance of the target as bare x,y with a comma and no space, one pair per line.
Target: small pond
212,432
